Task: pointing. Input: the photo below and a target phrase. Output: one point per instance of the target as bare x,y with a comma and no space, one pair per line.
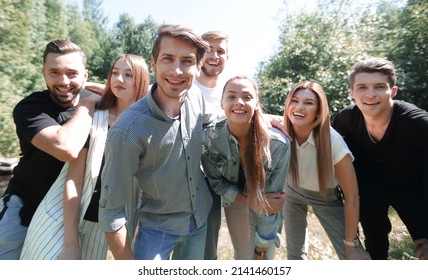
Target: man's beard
211,73
61,100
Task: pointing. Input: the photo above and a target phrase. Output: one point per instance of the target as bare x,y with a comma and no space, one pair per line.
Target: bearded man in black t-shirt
52,127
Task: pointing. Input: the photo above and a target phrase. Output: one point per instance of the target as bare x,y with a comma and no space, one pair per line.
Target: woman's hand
260,253
276,202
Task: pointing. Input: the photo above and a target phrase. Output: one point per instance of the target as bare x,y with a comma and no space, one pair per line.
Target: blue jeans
213,228
12,233
152,244
329,211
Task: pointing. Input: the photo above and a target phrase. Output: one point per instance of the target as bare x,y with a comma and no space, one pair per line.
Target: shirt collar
154,108
310,140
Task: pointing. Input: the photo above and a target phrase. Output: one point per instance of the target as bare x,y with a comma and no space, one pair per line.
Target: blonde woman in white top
320,162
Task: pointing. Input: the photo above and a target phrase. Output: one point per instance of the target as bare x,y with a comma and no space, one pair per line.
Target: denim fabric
12,233
329,211
152,244
220,161
213,228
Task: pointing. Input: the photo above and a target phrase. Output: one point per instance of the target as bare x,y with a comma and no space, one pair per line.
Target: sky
252,26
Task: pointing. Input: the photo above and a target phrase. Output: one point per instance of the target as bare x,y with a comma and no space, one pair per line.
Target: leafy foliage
320,44
25,28
324,44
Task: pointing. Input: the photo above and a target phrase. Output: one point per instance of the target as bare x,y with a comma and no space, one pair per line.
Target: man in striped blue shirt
152,172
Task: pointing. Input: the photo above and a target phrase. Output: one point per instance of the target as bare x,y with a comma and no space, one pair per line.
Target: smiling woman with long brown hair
320,161
247,164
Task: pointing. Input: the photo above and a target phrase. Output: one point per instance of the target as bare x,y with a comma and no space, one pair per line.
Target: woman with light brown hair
320,162
247,164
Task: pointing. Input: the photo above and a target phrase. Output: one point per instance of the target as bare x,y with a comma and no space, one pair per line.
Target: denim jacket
220,160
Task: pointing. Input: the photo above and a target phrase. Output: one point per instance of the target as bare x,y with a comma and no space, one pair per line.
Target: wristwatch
353,243
261,254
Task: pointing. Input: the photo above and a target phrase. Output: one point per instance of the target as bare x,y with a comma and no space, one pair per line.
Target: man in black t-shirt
389,140
52,127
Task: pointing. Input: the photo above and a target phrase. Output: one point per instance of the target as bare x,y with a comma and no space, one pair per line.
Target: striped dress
45,236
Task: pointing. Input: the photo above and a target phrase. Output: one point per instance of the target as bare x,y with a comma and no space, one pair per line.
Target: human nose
371,91
178,67
300,105
240,101
120,78
63,79
214,54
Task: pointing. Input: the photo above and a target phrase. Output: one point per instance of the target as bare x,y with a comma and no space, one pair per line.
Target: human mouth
371,103
299,115
215,64
175,82
64,91
240,111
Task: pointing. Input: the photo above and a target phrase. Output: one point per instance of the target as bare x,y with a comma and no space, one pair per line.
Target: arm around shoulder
65,142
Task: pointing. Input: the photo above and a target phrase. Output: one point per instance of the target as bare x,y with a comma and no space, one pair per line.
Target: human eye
230,97
73,74
167,58
54,72
381,86
248,97
115,72
221,52
188,61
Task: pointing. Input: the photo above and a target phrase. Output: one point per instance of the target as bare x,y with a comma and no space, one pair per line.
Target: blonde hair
321,134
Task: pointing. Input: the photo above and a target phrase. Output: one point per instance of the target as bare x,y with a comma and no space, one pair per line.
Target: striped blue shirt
158,156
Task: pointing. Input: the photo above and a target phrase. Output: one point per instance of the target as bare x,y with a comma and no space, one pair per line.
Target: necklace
370,136
367,129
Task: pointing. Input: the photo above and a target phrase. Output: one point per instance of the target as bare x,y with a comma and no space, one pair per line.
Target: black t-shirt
91,213
36,170
399,161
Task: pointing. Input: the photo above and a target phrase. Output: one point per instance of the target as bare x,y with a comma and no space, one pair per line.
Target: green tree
93,14
135,38
20,34
126,36
324,43
315,45
410,53
55,24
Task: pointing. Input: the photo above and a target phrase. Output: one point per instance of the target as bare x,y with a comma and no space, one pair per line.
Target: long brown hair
321,134
140,77
257,154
